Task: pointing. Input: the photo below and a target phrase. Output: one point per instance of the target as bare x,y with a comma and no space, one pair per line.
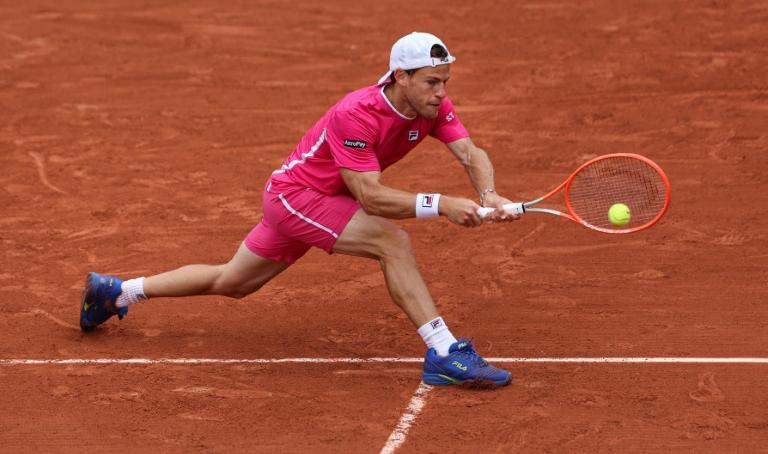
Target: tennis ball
619,214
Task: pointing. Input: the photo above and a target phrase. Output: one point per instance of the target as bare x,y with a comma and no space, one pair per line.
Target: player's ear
401,77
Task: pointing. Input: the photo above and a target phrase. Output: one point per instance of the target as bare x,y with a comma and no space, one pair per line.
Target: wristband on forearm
426,205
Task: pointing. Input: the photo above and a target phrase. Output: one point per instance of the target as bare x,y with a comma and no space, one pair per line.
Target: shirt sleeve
448,127
352,142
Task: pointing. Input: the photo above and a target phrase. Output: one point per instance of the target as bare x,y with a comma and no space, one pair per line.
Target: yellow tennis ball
619,214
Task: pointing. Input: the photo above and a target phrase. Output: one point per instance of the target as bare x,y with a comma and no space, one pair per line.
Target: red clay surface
137,139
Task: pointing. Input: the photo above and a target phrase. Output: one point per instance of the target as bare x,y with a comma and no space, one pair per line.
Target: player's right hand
460,211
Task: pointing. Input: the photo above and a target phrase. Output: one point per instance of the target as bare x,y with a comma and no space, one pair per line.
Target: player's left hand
493,200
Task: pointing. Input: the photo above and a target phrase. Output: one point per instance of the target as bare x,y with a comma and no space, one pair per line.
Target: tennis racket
598,184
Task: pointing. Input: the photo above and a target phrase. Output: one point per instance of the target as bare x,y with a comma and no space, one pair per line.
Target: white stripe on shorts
306,219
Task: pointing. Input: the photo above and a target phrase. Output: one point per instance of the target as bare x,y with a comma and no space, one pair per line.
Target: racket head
627,178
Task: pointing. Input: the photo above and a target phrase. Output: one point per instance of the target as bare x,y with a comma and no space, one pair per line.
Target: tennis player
328,194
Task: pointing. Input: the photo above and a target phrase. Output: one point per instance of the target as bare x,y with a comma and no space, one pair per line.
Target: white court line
397,437
197,361
637,360
203,361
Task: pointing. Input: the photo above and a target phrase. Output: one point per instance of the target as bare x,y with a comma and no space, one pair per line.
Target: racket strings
633,182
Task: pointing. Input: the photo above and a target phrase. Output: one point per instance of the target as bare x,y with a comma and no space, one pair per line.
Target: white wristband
426,205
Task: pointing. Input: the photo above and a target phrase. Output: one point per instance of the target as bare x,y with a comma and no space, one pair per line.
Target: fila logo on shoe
459,366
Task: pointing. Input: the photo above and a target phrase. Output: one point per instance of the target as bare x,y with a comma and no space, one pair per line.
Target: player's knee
240,293
403,240
397,244
238,290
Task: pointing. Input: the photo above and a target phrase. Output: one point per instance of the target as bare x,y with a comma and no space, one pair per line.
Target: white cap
413,52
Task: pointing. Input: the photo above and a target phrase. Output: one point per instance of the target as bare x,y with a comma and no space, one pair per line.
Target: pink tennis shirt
362,132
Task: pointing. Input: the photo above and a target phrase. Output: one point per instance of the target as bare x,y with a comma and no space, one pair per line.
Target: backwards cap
413,52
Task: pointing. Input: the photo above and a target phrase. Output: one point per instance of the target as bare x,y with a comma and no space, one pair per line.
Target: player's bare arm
380,200
480,171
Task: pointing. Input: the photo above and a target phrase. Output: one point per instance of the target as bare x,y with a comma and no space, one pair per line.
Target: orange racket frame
518,209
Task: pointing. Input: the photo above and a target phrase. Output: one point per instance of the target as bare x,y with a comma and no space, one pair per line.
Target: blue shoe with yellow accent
98,303
463,366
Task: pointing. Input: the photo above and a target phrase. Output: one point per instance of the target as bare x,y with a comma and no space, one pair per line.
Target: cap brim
385,78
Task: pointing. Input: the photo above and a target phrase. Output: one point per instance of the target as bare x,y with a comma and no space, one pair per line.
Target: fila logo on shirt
450,117
413,135
427,200
355,143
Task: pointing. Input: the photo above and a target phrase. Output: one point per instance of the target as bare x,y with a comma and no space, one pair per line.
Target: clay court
136,139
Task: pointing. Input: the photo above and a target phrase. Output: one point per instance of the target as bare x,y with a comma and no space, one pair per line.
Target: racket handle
515,209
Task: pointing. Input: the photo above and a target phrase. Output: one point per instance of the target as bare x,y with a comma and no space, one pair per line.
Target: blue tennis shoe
99,298
463,366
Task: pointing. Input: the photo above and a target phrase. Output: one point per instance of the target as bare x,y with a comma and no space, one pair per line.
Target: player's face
425,89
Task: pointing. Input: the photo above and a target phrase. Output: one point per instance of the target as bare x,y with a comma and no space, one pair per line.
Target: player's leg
105,296
336,223
245,273
448,361
380,239
264,254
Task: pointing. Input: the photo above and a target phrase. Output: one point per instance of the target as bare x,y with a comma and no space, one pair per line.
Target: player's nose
440,93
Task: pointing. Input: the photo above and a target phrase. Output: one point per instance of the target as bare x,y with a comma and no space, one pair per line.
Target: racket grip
515,209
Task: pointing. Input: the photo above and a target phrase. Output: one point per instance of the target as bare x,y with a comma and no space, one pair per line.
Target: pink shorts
296,219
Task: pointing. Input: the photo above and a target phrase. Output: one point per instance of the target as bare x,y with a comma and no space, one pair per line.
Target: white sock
437,335
133,292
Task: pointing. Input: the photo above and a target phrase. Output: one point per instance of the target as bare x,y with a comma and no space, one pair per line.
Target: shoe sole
444,380
86,291
87,288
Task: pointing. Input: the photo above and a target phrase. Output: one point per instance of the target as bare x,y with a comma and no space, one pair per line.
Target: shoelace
470,353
